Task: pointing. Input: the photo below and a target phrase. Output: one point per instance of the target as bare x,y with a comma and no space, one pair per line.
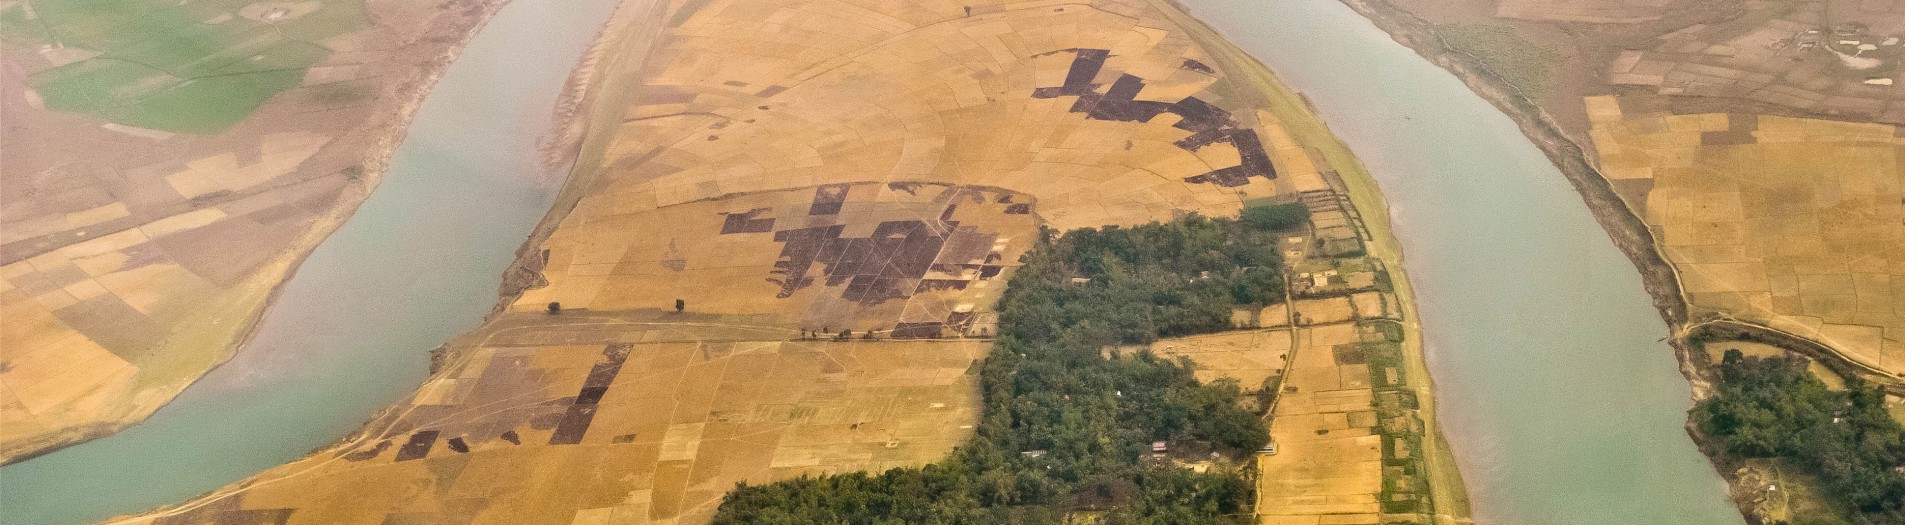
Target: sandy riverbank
216,341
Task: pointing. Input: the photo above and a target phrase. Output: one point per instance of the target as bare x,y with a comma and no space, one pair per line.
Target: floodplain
780,252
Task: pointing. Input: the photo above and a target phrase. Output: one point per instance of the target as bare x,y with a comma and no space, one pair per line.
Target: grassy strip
1528,66
1067,424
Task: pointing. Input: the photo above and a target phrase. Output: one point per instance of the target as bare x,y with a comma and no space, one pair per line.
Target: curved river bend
419,263
1555,389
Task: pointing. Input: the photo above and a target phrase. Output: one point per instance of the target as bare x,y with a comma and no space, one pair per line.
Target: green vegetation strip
1775,408
1404,488
1067,424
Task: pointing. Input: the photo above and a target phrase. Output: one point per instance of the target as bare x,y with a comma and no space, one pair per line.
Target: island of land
1747,156
797,230
168,165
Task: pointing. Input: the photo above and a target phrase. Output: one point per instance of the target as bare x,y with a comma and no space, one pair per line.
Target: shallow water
1556,391
419,263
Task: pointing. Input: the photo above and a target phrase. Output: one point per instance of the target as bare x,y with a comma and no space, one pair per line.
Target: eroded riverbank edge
375,161
1623,225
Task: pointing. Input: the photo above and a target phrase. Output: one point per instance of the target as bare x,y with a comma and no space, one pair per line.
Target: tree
1064,425
555,307
1276,216
1776,408
680,305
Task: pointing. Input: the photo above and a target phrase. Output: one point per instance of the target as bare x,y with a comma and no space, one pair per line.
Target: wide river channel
418,264
1563,405
1561,401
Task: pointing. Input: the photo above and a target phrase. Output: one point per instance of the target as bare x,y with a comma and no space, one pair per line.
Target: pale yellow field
682,421
1794,224
1247,356
1327,422
1329,466
882,276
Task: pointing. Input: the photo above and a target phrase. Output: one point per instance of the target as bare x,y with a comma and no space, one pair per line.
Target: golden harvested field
874,256
1794,224
1250,357
1328,468
791,169
1345,421
133,260
598,430
1346,417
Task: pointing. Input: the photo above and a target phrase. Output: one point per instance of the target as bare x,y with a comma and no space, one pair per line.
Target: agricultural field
1343,412
1804,56
186,67
1794,224
782,253
1835,59
604,420
1343,421
915,259
167,164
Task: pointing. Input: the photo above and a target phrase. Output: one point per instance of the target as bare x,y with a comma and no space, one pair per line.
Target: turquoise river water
1562,402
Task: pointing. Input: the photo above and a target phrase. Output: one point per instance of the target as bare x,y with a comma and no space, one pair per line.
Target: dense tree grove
1276,216
1066,424
1775,408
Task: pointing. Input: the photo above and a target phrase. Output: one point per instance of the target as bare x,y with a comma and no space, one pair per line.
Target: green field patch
282,56
1405,486
16,26
96,86
207,105
194,68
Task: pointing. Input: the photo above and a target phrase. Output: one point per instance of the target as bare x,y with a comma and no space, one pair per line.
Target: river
1562,402
419,263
